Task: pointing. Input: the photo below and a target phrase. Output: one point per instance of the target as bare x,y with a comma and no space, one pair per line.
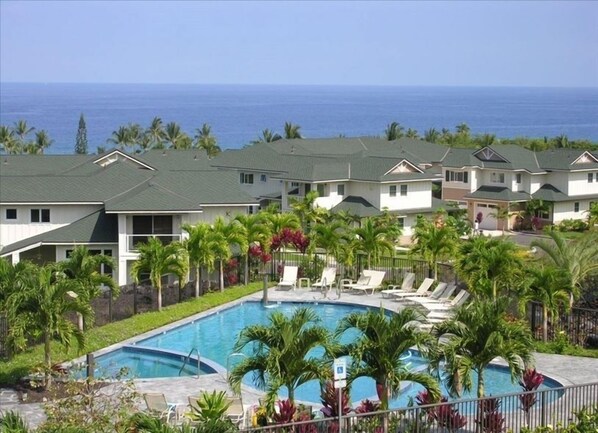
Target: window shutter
447,176
465,177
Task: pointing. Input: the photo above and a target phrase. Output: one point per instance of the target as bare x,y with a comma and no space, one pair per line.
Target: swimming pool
214,336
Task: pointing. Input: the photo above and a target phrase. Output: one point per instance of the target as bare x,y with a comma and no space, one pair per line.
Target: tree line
133,137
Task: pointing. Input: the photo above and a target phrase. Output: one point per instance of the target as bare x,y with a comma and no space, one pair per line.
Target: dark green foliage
13,422
81,142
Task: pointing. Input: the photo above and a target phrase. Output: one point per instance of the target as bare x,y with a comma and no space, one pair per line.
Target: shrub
571,225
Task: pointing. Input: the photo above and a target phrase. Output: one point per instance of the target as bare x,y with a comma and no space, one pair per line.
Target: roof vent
293,149
195,157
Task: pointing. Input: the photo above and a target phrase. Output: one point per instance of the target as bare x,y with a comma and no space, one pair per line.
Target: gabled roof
499,157
114,155
356,206
567,159
547,192
95,228
498,193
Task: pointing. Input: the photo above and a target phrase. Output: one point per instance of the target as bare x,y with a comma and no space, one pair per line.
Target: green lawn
567,350
97,338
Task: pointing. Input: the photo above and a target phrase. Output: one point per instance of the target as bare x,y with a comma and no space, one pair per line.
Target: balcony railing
133,240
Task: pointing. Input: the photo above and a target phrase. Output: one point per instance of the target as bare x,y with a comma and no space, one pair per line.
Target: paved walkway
567,370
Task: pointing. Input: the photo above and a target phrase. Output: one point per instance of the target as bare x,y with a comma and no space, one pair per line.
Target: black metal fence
3,336
506,413
578,325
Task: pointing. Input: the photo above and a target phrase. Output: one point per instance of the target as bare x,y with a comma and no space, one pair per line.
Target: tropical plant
291,131
579,258
40,308
473,338
267,136
13,422
431,135
201,246
121,137
329,396
379,350
21,130
158,260
393,131
490,265
530,381
307,211
85,269
280,221
373,240
434,241
330,237
257,232
42,142
81,140
175,137
549,287
502,214
280,353
210,406
155,132
227,234
8,142
206,141
412,133
593,216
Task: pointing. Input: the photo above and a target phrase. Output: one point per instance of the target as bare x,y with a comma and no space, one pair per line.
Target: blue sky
344,43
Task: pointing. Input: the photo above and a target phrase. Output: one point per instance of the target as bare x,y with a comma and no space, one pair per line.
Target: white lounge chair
289,278
374,282
326,282
405,287
236,411
457,301
159,407
436,297
435,294
421,290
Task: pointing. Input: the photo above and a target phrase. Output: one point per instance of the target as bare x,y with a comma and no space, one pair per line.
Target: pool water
214,337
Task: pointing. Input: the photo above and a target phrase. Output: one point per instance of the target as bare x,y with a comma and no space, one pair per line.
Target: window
340,189
576,206
11,214
40,215
591,177
497,178
263,178
392,191
401,222
246,177
294,184
518,178
456,176
321,190
403,190
307,187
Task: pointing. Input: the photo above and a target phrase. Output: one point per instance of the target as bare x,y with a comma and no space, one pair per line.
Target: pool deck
568,370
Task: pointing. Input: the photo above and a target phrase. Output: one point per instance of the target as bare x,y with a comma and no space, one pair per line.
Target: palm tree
201,246
434,242
136,134
548,286
593,215
307,211
229,234
393,131
85,269
378,351
579,258
291,131
279,221
158,260
489,265
256,232
372,240
412,133
502,214
267,136
8,143
561,141
21,130
175,137
206,141
156,133
121,137
40,308
463,131
330,237
280,353
432,135
473,338
42,141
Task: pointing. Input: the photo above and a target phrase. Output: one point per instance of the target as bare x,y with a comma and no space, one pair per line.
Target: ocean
238,114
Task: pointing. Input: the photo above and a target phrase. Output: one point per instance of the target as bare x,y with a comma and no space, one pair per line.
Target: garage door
488,220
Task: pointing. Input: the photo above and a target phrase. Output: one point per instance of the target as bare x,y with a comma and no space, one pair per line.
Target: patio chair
236,412
374,282
326,281
159,407
289,278
437,297
421,290
405,287
456,302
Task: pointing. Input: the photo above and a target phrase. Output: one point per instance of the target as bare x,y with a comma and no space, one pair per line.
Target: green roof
95,228
356,206
547,192
564,159
498,193
514,158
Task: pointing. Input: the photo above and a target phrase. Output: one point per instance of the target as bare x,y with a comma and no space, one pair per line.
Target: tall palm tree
267,136
393,131
201,246
158,260
330,237
256,232
40,309
593,216
473,338
280,353
279,221
579,258
175,137
372,240
291,131
21,130
231,234
490,265
561,141
206,141
434,242
548,286
412,133
432,135
378,351
42,141
307,211
8,143
502,214
156,133
121,137
85,269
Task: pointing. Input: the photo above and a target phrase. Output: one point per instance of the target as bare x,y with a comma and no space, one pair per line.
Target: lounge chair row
369,280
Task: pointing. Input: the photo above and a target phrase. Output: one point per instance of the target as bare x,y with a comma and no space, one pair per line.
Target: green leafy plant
210,406
13,422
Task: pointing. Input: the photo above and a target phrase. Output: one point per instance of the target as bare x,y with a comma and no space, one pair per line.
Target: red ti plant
445,415
329,398
489,418
368,406
530,381
286,412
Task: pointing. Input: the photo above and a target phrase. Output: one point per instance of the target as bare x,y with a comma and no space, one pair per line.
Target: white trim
231,204
116,151
20,250
403,161
487,149
49,203
586,153
145,212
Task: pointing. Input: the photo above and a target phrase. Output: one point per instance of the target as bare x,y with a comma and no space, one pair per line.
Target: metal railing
576,324
134,239
510,412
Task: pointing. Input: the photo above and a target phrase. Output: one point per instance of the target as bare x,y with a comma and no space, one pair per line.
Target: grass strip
97,338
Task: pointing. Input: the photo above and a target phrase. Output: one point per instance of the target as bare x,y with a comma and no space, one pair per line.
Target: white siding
332,199
458,185
560,180
474,180
368,190
419,195
60,215
535,182
579,185
565,210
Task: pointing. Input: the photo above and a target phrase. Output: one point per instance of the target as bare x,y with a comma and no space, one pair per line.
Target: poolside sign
340,372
